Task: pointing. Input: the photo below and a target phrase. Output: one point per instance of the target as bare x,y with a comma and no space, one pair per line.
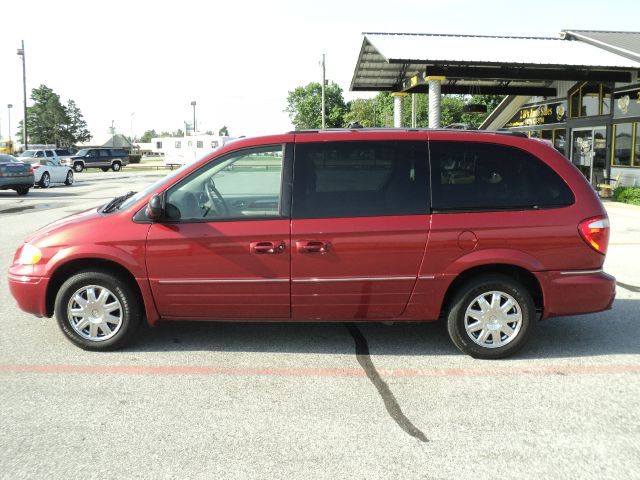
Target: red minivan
488,230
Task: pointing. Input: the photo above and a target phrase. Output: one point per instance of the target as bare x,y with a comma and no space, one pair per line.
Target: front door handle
267,247
313,246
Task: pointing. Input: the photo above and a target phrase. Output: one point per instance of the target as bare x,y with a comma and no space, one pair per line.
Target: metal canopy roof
482,64
626,44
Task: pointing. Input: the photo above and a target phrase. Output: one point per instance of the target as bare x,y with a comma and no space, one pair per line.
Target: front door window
243,186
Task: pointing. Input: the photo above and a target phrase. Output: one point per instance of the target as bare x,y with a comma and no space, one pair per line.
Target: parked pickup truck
49,154
15,175
104,158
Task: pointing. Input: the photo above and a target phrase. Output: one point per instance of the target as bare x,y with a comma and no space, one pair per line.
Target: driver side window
242,185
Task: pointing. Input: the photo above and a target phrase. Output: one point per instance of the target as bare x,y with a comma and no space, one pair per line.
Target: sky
141,64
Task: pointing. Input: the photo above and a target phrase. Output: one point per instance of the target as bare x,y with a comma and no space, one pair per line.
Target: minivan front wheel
491,316
97,311
116,166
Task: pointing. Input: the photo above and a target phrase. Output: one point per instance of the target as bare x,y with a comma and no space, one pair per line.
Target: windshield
131,200
83,152
28,153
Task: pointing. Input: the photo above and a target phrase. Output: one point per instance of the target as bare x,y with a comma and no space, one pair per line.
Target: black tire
78,167
86,330
104,169
69,179
22,190
506,337
45,180
116,166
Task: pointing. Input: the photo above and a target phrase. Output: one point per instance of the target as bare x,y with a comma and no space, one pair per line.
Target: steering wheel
214,195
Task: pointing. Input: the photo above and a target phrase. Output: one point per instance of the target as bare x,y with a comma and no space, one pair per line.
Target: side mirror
154,208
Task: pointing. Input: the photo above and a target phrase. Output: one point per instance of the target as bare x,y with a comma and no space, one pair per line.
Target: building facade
596,125
579,91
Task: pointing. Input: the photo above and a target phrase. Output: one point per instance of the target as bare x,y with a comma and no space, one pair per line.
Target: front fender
124,255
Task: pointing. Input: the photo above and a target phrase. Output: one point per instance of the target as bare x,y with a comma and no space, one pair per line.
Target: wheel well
82,265
517,273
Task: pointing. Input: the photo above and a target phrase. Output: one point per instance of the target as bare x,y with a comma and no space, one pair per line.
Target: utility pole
24,86
193,104
9,107
323,82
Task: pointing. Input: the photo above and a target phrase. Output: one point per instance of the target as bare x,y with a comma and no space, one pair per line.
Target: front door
224,250
359,228
589,152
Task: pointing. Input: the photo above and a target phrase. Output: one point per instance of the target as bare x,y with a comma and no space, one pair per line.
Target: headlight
29,255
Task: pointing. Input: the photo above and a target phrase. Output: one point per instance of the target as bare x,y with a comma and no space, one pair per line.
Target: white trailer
177,151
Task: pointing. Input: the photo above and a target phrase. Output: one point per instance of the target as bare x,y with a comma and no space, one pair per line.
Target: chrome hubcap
493,319
95,313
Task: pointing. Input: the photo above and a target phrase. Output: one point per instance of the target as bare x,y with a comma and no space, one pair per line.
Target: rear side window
481,176
118,153
360,179
104,153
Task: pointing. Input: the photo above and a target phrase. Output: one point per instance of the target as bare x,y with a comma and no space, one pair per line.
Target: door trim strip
350,279
224,280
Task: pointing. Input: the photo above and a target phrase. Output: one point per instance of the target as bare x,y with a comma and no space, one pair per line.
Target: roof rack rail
407,129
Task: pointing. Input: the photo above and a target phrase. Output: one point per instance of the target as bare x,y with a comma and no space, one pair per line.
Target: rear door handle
277,246
313,246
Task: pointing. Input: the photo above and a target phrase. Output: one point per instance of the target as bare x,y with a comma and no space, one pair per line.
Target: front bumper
576,292
30,292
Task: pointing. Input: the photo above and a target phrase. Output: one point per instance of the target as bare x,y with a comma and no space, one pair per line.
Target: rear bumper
9,183
29,292
576,292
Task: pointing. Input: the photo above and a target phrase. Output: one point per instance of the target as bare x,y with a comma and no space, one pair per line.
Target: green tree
223,132
362,111
50,122
176,133
381,107
148,135
75,130
304,106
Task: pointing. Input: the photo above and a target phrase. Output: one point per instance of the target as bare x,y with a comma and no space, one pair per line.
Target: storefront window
574,104
547,134
636,148
534,133
607,95
590,99
623,143
560,140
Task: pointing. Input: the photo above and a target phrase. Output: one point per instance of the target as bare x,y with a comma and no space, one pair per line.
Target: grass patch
627,195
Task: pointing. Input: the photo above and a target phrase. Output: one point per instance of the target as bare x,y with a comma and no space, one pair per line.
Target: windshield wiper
116,202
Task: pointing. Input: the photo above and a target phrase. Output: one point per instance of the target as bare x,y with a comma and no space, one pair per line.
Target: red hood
81,217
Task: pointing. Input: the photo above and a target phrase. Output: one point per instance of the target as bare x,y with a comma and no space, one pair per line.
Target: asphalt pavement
315,400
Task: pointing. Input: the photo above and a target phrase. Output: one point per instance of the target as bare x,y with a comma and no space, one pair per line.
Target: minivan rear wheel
491,316
116,166
97,310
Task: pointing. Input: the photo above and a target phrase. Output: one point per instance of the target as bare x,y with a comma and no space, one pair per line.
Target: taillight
595,231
